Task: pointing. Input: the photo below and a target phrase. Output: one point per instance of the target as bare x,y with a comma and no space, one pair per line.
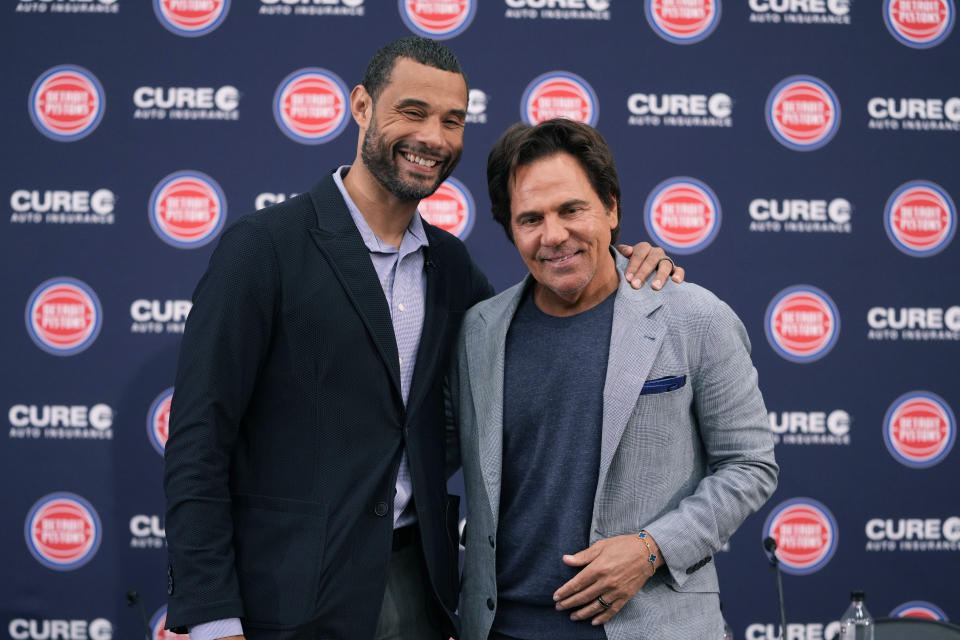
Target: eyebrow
414,102
562,205
570,203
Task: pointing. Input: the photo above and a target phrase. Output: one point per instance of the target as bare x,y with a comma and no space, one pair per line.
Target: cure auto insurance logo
806,535
803,113
66,103
311,106
437,19
63,316
63,531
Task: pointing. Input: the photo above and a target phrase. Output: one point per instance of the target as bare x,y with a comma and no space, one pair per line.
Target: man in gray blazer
612,439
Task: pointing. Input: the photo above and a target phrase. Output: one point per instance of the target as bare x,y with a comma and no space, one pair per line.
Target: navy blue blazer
287,427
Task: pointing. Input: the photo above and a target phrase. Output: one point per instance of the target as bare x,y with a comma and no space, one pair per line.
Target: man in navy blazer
305,470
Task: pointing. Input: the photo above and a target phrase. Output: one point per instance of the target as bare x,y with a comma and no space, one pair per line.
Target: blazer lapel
435,310
485,362
635,340
339,240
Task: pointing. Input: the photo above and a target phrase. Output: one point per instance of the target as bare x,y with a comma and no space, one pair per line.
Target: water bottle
856,623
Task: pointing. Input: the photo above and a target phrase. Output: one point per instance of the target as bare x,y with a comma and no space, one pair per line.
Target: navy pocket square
662,385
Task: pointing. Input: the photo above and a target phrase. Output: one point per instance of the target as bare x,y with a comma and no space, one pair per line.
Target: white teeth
421,161
560,258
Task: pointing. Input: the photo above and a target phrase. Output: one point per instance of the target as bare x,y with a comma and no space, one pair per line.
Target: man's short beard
378,158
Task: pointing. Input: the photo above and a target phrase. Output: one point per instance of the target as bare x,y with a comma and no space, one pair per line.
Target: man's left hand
614,569
644,261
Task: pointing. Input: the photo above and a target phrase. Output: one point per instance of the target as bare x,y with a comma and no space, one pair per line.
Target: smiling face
562,230
415,133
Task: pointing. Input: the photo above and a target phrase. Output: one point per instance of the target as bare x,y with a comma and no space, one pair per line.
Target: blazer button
492,544
380,509
490,604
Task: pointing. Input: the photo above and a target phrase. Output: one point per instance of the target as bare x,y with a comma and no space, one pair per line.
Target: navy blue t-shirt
554,373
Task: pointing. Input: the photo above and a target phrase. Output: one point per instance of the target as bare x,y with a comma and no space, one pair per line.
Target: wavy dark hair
523,144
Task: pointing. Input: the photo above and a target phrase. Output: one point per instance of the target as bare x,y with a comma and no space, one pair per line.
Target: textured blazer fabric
687,463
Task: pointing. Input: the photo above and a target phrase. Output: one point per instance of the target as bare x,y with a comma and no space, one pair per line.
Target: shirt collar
413,239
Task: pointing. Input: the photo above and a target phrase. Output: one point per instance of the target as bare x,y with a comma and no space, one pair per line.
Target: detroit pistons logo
311,106
191,18
802,323
919,429
63,316
66,103
920,24
157,623
559,94
683,214
683,21
63,531
920,218
437,19
806,535
919,609
450,207
803,113
187,209
158,420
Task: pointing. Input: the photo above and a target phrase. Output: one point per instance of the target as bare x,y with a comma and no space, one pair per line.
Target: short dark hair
422,50
523,144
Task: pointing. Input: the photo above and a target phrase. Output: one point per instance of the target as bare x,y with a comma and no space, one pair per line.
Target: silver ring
673,265
603,603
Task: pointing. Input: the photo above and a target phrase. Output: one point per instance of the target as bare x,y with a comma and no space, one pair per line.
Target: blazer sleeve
736,437
224,346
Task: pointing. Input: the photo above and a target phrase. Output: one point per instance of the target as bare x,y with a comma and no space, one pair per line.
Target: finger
638,255
663,272
679,274
588,611
582,558
583,597
647,267
573,586
608,613
625,249
578,591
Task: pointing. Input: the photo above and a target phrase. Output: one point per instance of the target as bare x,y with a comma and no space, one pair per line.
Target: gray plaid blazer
687,465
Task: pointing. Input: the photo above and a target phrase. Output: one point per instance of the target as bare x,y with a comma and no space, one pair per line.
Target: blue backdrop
798,157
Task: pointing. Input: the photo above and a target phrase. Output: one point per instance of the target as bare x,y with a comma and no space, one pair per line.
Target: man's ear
613,213
361,106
